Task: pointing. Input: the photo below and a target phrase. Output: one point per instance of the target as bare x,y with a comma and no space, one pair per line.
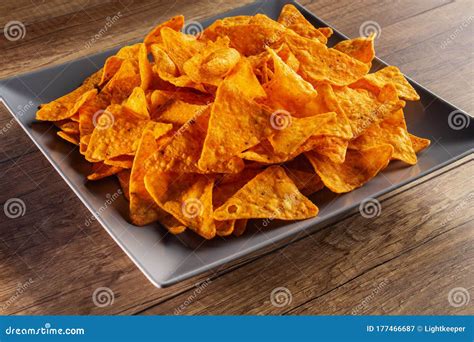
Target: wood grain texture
403,262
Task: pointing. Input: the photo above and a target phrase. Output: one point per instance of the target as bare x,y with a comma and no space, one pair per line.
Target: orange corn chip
388,75
124,180
321,64
143,209
72,138
188,197
271,194
390,131
361,48
100,170
137,103
144,67
111,66
66,106
154,36
122,83
291,18
358,168
363,107
117,133
212,63
419,144
234,111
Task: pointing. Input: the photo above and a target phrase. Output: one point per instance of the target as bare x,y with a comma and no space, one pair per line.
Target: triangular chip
100,170
143,209
122,83
144,67
361,48
419,144
154,36
363,107
137,103
390,131
388,75
358,168
117,133
270,194
234,110
292,18
188,197
318,63
212,63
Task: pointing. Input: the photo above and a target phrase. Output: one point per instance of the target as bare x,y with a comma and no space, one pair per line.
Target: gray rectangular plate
166,259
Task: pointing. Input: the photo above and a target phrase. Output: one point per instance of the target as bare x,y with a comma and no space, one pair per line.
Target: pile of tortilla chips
242,121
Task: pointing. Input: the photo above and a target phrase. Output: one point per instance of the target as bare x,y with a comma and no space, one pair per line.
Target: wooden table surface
409,260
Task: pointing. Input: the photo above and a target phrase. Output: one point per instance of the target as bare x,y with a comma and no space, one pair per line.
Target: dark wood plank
331,271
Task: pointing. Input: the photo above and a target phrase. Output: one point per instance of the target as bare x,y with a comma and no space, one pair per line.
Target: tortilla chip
419,144
188,197
388,75
144,67
359,167
143,209
334,148
302,174
124,180
179,46
67,105
100,170
212,63
319,63
363,107
111,66
72,138
137,104
154,36
125,161
361,48
234,111
390,131
271,194
178,112
68,126
122,83
183,151
121,135
291,18
288,139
